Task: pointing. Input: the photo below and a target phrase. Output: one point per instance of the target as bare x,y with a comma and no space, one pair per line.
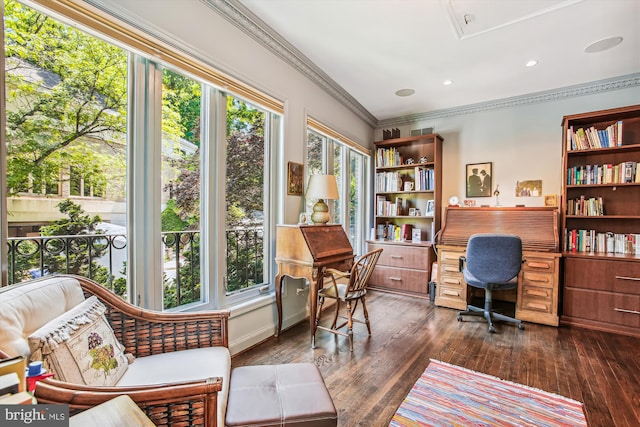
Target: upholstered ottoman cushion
279,395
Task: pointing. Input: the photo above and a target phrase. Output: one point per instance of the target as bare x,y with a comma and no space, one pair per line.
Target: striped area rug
448,395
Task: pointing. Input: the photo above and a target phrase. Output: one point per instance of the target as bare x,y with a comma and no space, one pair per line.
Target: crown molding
615,83
248,22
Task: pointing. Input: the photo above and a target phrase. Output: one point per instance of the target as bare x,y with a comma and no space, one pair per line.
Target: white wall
522,142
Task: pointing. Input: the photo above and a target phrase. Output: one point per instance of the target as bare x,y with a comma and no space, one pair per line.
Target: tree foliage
63,85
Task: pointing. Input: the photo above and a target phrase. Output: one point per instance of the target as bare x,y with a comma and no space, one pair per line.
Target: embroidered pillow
80,347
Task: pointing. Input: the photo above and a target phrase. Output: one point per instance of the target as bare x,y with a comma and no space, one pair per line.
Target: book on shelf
15,365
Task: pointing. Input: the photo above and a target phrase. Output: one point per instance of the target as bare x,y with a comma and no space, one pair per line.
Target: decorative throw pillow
80,346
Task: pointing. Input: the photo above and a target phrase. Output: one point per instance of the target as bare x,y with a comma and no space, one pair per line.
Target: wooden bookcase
407,169
601,221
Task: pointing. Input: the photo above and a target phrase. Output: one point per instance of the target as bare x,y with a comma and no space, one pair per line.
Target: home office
518,132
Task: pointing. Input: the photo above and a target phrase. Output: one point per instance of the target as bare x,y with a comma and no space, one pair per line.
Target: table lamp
321,187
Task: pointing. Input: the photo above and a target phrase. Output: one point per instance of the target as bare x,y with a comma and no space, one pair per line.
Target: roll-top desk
538,281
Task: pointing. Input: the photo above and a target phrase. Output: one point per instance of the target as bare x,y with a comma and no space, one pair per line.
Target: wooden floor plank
601,370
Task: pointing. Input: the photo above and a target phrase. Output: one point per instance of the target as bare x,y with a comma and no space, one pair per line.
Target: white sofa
181,368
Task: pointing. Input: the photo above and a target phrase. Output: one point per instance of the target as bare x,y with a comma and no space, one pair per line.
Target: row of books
604,174
388,157
385,207
388,181
592,241
423,179
590,138
593,206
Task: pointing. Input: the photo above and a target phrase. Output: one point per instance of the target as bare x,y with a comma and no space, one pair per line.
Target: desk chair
350,293
493,261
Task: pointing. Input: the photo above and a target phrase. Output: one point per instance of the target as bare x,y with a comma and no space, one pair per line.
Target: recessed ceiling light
405,92
603,44
531,63
447,82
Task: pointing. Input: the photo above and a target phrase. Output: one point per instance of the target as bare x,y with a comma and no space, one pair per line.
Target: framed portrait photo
478,179
294,179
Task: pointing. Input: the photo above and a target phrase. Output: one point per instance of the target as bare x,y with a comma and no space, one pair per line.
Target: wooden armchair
145,333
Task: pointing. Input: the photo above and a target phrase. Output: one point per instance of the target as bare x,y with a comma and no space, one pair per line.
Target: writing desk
304,252
538,281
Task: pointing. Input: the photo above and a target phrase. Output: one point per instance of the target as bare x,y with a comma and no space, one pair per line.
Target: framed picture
551,200
294,179
478,179
412,211
430,209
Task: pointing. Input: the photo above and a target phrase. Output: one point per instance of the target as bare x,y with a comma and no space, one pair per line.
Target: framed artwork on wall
478,179
294,179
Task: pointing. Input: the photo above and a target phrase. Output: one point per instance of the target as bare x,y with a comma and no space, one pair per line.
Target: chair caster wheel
492,329
521,326
459,318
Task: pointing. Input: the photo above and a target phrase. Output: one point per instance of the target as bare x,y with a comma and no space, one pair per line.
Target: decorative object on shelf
478,179
551,200
423,159
416,235
529,188
431,208
453,201
408,186
388,134
410,161
294,179
303,219
322,187
469,203
496,193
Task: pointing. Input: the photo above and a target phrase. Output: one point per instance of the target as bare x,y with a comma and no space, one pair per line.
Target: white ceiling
372,48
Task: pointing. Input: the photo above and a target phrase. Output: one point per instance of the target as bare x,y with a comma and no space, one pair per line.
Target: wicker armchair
143,333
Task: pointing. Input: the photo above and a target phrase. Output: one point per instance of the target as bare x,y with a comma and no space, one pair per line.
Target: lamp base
320,213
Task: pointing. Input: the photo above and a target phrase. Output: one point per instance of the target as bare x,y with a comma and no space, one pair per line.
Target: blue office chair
493,261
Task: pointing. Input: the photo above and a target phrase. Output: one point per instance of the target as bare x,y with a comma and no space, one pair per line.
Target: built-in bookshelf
408,174
602,183
601,220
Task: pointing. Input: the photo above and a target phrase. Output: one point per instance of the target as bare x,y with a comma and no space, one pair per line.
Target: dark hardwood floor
601,370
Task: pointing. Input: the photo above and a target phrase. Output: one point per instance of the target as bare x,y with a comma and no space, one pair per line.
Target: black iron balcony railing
102,257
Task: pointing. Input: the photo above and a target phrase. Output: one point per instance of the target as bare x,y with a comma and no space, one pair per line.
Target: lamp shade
322,187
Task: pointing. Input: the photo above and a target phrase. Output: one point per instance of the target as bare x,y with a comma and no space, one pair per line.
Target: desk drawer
400,279
540,265
413,257
530,278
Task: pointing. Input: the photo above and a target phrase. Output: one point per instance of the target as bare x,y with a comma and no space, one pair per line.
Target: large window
329,155
132,171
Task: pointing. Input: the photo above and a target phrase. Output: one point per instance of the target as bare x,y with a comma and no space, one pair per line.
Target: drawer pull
538,265
538,279
622,310
396,256
537,307
637,279
451,281
450,293
537,293
396,279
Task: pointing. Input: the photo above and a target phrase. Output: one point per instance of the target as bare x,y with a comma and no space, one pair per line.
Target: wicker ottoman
279,395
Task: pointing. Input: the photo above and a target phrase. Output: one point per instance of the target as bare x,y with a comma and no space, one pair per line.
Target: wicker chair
143,333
